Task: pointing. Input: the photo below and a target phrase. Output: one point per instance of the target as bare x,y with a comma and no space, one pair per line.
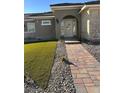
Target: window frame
28,29
46,24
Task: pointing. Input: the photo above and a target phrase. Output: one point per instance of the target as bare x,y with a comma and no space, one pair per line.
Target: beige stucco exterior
90,23
86,16
41,32
60,14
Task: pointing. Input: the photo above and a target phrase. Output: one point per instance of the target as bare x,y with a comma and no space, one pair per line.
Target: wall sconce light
57,21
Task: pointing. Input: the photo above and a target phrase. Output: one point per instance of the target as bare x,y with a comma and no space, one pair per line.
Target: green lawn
38,61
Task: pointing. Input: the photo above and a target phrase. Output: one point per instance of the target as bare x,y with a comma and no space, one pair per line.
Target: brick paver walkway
85,69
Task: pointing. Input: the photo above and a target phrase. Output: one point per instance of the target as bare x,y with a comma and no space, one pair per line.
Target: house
69,20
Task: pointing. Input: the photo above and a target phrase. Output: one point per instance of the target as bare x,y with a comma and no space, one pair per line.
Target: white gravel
93,49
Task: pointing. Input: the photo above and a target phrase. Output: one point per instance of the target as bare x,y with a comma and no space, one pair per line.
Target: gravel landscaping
93,49
60,80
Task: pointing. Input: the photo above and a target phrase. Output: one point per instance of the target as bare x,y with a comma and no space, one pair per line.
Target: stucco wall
95,24
90,24
41,32
60,14
84,18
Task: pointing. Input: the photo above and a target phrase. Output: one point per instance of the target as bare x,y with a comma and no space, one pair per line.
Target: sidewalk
85,69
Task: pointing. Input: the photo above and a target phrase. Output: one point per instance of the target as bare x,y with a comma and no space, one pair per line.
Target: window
31,27
88,26
46,22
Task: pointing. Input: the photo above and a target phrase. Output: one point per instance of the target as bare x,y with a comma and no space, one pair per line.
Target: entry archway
69,27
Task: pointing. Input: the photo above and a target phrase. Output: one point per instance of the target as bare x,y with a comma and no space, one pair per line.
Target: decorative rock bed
93,49
60,81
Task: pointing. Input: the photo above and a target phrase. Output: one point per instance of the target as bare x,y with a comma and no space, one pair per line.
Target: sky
35,6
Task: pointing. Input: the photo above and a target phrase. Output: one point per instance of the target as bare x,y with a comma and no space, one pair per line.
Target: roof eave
66,7
88,6
42,17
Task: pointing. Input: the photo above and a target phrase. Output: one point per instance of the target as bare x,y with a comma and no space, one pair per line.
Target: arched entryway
69,27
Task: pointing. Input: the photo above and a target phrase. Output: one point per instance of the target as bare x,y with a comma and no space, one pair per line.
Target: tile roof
92,2
66,4
38,14
69,4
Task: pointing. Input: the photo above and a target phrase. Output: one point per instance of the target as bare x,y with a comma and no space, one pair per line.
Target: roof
38,14
66,4
92,2
69,4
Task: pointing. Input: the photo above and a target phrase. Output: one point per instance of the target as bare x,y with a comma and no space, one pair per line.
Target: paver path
85,69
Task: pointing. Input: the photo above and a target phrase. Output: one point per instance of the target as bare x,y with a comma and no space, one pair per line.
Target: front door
68,27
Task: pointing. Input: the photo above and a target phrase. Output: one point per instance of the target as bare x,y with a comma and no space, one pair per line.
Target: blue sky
33,6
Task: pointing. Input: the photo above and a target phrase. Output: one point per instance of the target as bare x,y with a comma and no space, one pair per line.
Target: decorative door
68,27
